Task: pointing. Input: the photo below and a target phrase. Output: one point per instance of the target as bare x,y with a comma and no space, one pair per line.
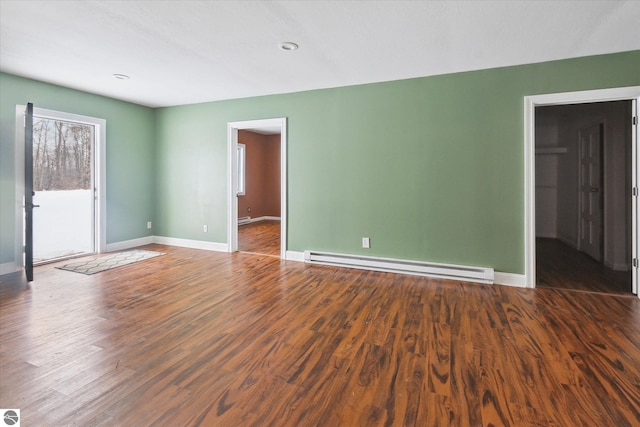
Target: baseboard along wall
500,278
249,220
9,267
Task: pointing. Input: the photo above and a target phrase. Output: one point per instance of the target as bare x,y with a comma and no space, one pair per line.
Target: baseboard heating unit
419,268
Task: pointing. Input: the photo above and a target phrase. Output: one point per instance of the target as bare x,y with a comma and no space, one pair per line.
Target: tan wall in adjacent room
272,176
262,176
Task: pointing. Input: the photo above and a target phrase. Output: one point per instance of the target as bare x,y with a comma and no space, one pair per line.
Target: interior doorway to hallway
257,215
583,206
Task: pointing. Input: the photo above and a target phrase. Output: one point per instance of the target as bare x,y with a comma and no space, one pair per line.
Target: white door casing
232,178
600,95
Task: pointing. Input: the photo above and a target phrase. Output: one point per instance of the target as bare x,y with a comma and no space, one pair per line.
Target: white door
591,195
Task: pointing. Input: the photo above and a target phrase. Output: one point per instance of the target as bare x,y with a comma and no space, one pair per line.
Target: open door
32,127
635,203
28,192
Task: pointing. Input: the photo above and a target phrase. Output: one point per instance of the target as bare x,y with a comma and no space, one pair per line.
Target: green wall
429,168
130,156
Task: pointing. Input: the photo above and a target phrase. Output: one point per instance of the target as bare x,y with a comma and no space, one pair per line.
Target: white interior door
591,195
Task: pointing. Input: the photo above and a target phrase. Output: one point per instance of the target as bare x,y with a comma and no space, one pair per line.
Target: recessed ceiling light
288,46
121,77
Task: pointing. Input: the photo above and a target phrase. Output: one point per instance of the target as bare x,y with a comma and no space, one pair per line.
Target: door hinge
635,263
634,120
634,192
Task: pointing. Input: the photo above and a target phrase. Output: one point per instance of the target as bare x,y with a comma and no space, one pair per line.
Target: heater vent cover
419,268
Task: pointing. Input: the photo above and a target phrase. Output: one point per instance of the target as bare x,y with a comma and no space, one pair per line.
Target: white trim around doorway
232,178
530,104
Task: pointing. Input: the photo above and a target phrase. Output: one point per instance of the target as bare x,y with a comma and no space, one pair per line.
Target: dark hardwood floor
560,266
199,338
262,237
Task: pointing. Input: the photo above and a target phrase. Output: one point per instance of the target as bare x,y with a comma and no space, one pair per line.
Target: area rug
108,262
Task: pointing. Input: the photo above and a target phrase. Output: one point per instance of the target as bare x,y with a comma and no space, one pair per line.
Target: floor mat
118,259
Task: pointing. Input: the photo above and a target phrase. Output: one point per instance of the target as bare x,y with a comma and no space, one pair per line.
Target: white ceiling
182,52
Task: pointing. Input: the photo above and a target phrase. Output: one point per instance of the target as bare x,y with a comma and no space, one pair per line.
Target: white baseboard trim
192,244
617,266
510,279
547,236
128,244
294,256
265,218
568,241
9,267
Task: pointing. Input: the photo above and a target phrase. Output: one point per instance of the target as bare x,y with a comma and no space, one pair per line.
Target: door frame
580,97
100,175
232,178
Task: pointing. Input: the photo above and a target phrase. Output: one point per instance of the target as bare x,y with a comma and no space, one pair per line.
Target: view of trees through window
61,155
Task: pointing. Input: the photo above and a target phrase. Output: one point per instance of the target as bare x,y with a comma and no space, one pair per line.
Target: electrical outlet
149,225
366,242
205,228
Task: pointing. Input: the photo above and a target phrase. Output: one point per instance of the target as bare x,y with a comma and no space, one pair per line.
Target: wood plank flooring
262,237
198,338
560,266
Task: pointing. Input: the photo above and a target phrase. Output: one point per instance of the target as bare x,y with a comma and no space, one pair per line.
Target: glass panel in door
63,170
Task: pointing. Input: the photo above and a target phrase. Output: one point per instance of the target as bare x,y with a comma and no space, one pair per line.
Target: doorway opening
63,183
581,212
259,191
68,184
257,187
